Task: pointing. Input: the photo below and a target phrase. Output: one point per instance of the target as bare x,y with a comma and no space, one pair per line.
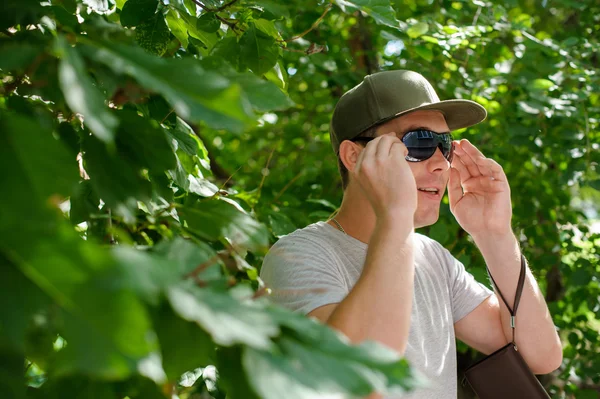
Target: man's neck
356,215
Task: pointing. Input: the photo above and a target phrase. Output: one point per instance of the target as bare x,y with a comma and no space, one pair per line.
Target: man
367,273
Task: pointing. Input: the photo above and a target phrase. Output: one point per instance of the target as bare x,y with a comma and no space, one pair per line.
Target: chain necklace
339,226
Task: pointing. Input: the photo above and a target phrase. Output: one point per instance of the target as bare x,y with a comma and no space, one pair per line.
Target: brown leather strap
520,284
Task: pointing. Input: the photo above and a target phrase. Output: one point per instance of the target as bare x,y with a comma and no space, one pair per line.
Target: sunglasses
422,144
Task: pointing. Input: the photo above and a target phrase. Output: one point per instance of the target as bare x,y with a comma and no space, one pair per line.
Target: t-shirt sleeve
302,275
466,292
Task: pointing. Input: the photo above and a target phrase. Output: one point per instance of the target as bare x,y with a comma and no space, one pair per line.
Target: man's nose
437,162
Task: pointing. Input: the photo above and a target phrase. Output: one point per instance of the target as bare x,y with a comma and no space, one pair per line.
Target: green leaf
228,321
40,169
540,84
418,29
263,95
136,12
196,95
185,137
424,52
118,326
12,379
380,10
228,49
14,324
84,202
278,75
153,35
17,56
65,17
178,27
114,179
184,345
258,51
439,232
268,27
308,353
216,219
143,143
208,39
81,95
185,256
208,22
280,224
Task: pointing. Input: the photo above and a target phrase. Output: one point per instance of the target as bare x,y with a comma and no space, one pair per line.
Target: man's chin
426,219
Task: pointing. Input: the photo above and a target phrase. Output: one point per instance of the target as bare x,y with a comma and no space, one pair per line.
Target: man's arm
387,278
379,305
479,196
535,334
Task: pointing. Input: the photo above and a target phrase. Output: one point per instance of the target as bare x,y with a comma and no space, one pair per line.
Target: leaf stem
312,27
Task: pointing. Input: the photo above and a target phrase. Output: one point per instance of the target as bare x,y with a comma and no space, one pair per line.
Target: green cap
386,95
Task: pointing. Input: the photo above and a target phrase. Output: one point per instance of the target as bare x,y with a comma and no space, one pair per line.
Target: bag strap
520,284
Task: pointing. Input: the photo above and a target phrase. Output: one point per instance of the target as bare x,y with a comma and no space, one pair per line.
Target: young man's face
431,173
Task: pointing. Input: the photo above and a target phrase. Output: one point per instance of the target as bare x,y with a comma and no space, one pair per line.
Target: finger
461,168
492,168
477,157
384,144
467,160
455,191
398,148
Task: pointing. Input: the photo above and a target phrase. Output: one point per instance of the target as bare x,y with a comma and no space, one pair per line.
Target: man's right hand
386,178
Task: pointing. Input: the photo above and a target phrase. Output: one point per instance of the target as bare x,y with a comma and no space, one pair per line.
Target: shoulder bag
504,374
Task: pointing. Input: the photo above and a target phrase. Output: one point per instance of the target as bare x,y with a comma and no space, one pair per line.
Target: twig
288,185
218,9
169,114
476,16
229,178
587,136
203,266
198,2
267,168
224,6
313,26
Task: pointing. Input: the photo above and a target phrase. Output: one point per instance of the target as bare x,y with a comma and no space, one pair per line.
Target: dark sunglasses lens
416,154
422,144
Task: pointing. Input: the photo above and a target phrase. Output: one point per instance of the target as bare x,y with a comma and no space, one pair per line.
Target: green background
152,151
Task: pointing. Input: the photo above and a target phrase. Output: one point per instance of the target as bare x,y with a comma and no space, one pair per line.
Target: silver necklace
339,225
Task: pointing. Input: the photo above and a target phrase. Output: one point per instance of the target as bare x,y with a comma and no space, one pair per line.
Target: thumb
455,191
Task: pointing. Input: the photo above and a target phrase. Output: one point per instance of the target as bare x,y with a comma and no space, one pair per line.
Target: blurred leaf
424,52
226,320
197,95
81,95
136,12
258,50
153,35
380,10
177,27
418,29
215,219
184,346
208,22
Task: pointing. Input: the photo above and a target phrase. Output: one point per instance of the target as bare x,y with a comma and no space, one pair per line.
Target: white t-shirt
319,265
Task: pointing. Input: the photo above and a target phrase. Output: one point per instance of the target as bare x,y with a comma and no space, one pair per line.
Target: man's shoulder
312,238
314,232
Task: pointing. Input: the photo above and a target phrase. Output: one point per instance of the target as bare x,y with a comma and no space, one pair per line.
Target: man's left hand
479,192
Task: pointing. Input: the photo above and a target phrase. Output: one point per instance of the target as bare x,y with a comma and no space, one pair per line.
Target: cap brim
458,113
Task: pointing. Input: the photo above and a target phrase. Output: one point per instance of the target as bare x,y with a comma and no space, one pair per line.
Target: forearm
535,333
379,306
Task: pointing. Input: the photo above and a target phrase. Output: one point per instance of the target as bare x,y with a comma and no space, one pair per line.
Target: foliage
153,150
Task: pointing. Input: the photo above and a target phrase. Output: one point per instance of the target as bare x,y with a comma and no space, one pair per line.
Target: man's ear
349,152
